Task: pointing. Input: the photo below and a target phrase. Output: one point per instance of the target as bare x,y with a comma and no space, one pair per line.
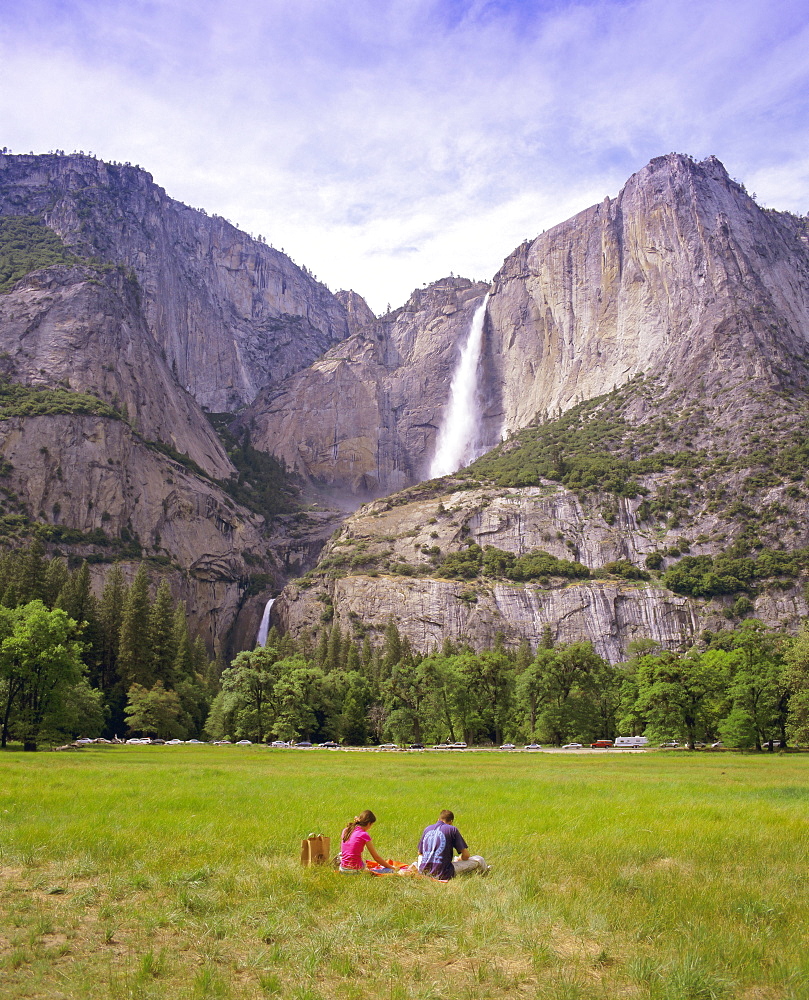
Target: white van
630,743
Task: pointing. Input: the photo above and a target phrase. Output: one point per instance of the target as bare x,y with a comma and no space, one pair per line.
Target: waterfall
458,440
264,627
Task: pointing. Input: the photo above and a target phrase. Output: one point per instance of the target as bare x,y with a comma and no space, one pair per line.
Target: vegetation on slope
263,485
17,400
27,244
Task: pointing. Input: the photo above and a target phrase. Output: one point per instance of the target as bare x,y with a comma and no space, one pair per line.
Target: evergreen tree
76,596
321,657
367,656
56,578
392,649
523,657
183,665
161,635
334,647
352,659
134,655
30,577
110,617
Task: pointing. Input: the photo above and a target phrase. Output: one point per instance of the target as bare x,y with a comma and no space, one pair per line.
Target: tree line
75,664
126,663
745,686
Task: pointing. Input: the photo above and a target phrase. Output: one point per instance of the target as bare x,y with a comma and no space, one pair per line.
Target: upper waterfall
458,441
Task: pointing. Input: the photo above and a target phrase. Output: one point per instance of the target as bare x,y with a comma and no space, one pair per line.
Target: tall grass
140,872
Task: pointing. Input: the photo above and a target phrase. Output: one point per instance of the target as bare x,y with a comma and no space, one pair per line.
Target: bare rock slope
229,312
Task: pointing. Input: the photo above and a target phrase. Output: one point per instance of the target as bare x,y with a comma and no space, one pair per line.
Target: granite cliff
679,313
642,384
156,311
229,313
681,275
364,417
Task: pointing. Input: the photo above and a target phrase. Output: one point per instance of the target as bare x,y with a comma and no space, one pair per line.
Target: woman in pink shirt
354,839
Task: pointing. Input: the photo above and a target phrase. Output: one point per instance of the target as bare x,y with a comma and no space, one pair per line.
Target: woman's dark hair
365,818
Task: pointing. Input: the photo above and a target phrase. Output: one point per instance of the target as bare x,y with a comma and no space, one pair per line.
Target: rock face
171,310
379,567
681,274
681,287
364,417
93,474
430,611
230,313
84,330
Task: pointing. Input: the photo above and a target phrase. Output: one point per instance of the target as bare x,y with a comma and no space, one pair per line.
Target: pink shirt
351,849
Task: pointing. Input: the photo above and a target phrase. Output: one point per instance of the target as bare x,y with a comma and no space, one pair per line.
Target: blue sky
385,144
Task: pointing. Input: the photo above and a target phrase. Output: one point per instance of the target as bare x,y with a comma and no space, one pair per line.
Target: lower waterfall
458,439
264,627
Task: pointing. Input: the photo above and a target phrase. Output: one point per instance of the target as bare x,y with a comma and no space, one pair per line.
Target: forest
125,663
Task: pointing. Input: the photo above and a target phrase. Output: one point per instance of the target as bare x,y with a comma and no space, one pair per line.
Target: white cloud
387,143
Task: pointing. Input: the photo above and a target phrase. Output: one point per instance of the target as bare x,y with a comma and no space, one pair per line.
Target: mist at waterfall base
458,441
264,627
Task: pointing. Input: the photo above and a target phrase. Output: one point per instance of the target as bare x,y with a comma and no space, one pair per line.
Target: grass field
173,872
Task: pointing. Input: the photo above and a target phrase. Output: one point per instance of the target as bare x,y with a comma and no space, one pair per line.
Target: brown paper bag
315,851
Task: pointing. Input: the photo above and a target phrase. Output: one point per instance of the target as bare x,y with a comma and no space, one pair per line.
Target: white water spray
458,440
264,627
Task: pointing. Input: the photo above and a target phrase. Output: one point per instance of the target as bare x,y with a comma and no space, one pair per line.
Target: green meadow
173,872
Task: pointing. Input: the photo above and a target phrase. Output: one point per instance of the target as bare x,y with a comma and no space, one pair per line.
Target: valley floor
173,872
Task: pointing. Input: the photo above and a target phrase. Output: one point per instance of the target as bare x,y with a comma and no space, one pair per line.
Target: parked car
328,745
388,746
303,743
416,746
572,746
279,743
457,746
670,745
194,741
719,745
534,746
244,743
173,743
508,746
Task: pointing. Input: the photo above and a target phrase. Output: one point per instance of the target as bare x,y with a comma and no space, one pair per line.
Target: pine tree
322,650
110,617
523,657
183,665
352,660
161,641
76,596
56,577
30,582
134,655
334,647
367,656
392,650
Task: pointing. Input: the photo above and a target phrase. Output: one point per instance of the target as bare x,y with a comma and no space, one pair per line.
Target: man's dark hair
446,816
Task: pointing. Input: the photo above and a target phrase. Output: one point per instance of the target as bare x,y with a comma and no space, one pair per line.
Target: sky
385,144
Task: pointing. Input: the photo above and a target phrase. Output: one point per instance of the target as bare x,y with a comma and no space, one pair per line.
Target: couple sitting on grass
438,843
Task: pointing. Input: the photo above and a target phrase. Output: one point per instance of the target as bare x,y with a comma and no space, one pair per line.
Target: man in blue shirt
437,845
